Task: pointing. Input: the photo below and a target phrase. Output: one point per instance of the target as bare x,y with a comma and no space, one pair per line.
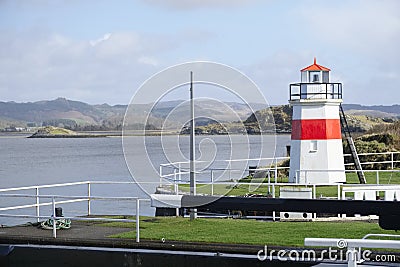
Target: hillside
81,116
214,117
374,111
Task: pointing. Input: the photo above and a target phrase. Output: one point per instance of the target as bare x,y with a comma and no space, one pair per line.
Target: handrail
380,235
42,186
72,199
273,161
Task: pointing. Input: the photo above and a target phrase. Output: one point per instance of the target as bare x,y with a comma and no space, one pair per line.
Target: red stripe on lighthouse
319,129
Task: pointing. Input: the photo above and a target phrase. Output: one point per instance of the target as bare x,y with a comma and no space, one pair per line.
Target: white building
316,153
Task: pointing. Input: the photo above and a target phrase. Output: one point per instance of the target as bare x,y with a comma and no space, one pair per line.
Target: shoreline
96,134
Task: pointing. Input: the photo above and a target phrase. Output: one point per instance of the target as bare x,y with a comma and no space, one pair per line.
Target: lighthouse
316,152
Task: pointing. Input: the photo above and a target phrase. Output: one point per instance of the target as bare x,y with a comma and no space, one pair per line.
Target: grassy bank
324,191
245,231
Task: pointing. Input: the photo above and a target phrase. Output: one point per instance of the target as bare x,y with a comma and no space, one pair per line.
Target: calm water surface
25,162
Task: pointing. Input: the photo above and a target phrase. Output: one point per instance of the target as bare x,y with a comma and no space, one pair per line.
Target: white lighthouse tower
316,153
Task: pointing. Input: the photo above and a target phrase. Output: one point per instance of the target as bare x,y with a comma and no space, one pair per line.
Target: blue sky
102,51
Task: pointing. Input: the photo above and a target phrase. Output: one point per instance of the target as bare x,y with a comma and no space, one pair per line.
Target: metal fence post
137,220
392,160
314,197
377,177
229,170
314,191
338,191
176,190
37,204
212,182
175,183
161,175
179,172
54,218
89,194
273,196
305,177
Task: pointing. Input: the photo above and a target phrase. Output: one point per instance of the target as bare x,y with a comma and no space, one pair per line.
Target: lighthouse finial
315,60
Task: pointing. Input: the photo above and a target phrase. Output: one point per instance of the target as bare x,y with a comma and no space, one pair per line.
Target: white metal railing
392,161
267,181
304,177
175,171
64,199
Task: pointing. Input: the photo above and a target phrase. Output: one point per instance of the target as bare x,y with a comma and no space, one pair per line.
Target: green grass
324,191
236,231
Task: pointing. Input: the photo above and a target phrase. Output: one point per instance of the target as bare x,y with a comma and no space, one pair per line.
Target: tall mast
192,147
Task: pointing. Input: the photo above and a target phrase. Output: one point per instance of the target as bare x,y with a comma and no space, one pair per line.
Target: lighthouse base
316,161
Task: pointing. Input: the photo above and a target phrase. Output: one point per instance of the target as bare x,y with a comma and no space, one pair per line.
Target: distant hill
373,111
76,115
359,120
80,116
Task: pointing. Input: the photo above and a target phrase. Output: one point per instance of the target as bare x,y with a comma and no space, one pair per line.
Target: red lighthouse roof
316,67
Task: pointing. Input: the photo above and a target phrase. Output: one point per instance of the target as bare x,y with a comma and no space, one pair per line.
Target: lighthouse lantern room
316,153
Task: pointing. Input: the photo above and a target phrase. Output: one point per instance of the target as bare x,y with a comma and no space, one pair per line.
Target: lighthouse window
313,146
314,76
325,77
304,77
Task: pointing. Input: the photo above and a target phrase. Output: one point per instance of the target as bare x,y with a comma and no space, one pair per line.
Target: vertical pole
314,191
54,217
338,195
88,202
276,170
273,191
175,183
37,204
392,161
212,182
161,175
179,172
176,191
229,169
273,196
305,177
192,144
343,198
352,257
314,197
137,220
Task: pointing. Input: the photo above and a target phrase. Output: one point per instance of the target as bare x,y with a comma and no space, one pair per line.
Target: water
25,162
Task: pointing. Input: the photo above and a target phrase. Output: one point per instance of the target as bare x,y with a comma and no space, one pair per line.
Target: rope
60,224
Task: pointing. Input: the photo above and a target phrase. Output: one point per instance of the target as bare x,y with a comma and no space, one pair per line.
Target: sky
102,51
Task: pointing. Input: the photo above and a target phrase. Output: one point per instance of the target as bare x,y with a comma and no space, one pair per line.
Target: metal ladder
354,155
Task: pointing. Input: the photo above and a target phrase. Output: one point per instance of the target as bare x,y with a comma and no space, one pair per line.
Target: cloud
366,27
148,60
39,65
46,66
274,73
359,40
102,39
196,4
